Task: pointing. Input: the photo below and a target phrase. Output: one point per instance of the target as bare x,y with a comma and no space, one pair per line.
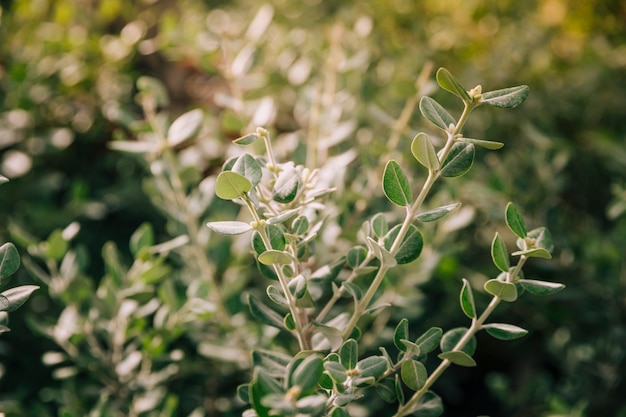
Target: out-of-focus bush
338,73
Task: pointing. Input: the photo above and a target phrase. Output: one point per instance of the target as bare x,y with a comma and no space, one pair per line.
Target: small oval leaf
413,374
506,97
504,331
448,82
435,112
515,221
505,290
437,213
499,253
185,127
373,366
230,185
423,150
429,340
452,337
458,358
272,257
487,144
411,246
401,333
249,167
349,354
396,186
229,227
541,287
9,260
459,160
14,298
467,300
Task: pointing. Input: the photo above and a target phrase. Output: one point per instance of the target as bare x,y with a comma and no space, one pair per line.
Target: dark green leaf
300,225
276,295
263,313
185,127
423,150
507,97
14,298
248,166
396,186
143,237
411,246
448,82
356,255
499,253
458,358
428,341
298,286
413,374
386,390
487,144
229,227
276,237
401,333
286,185
243,392
541,287
9,260
230,185
505,290
56,245
352,289
504,331
515,221
452,337
435,112
349,353
437,213
459,160
467,300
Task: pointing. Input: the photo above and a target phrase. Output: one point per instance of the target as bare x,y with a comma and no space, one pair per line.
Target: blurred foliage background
340,72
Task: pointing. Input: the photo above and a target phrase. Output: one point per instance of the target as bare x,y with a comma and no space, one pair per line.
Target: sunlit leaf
423,150
247,139
248,166
437,213
515,221
411,246
230,185
185,127
505,290
448,82
275,257
229,227
487,144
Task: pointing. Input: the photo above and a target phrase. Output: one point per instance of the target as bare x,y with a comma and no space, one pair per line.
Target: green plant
326,372
13,298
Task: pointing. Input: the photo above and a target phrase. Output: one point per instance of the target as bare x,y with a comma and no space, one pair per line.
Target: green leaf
349,353
499,253
448,82
284,216
307,373
413,374
185,127
381,253
336,371
515,221
297,287
247,139
263,313
487,144
429,340
300,225
437,213
401,333
435,112
396,186
275,257
14,298
230,185
543,238
458,358
505,290
386,390
276,237
229,227
249,167
356,256
272,361
352,289
452,337
459,160
534,253
286,186
379,225
507,97
411,246
328,337
143,237
276,295
56,245
423,150
504,331
373,366
9,260
429,405
541,287
467,300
